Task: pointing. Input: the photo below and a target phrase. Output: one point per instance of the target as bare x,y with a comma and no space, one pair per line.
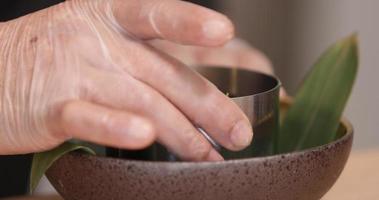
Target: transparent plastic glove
82,70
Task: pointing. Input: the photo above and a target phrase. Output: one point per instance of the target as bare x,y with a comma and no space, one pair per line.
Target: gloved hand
83,70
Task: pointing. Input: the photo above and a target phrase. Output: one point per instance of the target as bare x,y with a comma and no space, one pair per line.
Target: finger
200,100
173,20
250,60
236,53
283,94
185,53
173,128
101,125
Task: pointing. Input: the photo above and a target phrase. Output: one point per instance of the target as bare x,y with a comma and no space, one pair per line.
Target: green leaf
42,161
313,118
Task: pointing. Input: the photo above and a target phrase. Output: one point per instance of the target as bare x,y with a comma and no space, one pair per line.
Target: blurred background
293,33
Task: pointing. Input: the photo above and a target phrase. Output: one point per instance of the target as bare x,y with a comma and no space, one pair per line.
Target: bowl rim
344,122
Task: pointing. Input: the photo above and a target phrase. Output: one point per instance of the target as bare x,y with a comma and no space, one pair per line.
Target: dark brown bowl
304,175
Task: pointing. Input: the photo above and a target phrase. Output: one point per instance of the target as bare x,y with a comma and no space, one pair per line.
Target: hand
83,70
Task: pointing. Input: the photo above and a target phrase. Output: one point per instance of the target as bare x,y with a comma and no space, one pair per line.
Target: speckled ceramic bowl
303,175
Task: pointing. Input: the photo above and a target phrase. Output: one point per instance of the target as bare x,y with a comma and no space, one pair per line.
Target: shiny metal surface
257,95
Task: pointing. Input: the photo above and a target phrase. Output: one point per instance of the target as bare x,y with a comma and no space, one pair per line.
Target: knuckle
62,119
67,110
209,86
211,92
211,102
146,99
198,147
107,120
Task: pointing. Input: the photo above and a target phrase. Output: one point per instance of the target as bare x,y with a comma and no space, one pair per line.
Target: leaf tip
352,39
352,42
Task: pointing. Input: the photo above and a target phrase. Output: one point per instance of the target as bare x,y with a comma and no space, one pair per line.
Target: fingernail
217,30
241,135
214,156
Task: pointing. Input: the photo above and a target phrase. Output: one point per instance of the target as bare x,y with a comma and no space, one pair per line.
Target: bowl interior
238,82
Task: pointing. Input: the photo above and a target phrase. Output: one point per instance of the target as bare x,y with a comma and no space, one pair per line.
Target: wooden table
359,180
